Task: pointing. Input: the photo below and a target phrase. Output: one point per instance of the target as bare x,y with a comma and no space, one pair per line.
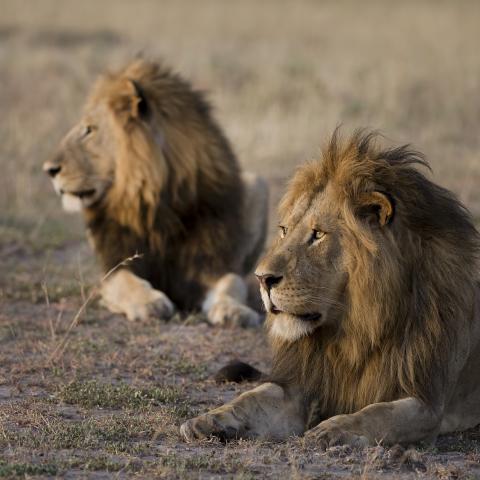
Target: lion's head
374,264
145,137
83,168
333,219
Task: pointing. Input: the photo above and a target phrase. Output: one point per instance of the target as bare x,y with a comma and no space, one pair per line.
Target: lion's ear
376,207
129,103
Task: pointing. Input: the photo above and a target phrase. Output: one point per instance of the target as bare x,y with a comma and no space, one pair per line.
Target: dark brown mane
408,291
177,194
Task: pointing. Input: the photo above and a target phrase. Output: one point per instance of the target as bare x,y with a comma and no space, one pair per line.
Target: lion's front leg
268,411
124,292
226,303
401,421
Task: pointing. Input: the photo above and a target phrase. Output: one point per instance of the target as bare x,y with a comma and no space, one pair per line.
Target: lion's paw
334,432
158,305
230,312
206,426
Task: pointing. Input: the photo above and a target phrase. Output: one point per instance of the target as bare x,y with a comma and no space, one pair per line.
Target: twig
60,348
47,302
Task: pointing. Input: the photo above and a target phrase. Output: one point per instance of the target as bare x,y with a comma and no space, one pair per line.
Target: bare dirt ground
84,393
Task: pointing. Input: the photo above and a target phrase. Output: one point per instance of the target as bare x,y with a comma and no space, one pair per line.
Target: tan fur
155,175
126,293
373,297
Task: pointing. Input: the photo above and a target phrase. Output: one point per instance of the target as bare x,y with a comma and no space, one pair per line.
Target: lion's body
168,185
375,319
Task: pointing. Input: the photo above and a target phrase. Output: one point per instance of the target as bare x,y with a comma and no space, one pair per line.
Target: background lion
153,174
373,301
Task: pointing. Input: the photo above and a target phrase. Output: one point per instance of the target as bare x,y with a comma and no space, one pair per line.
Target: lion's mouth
310,317
305,317
81,193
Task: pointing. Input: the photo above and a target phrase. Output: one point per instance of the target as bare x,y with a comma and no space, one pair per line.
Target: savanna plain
86,394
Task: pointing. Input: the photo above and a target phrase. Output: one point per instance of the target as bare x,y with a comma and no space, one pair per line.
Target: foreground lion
373,301
154,175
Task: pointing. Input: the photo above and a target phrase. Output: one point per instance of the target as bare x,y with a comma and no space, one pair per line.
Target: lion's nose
52,170
268,280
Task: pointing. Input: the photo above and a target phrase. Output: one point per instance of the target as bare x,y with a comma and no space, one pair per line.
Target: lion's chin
76,201
71,203
289,327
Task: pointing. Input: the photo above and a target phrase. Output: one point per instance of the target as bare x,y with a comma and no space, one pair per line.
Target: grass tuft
114,434
26,469
205,462
91,394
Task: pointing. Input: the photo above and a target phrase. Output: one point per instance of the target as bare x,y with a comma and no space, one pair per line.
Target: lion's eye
88,130
317,235
282,230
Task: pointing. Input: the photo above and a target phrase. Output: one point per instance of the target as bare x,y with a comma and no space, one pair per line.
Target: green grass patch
186,367
183,464
95,464
26,469
91,394
182,366
106,464
112,434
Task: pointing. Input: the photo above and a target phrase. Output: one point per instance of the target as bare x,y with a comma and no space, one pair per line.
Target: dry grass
282,75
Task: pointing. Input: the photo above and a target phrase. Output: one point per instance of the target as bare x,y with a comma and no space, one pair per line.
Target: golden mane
176,192
394,334
172,155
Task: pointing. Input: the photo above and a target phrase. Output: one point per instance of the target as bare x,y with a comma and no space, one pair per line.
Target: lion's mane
408,295
177,196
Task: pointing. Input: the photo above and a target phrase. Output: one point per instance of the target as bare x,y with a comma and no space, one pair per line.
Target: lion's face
303,277
82,169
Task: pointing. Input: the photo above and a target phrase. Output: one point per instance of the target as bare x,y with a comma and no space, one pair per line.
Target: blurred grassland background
281,75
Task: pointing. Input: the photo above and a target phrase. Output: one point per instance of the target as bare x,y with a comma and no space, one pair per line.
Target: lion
373,299
158,183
